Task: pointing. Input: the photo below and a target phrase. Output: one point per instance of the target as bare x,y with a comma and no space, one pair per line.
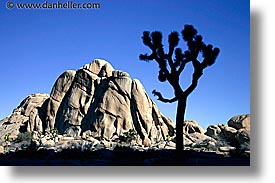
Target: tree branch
146,57
182,65
171,64
162,65
160,97
198,72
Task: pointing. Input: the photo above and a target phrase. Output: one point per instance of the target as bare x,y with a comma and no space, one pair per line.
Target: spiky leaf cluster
209,54
188,33
173,39
176,58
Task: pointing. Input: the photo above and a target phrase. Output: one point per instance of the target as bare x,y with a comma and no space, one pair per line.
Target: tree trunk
179,124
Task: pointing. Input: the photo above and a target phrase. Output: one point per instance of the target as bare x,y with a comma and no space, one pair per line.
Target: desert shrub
6,137
99,138
130,136
168,139
26,136
92,148
54,132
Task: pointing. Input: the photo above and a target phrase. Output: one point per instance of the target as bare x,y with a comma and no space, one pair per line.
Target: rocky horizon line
98,102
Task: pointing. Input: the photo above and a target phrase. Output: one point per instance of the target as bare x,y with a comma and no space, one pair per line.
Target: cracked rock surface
94,98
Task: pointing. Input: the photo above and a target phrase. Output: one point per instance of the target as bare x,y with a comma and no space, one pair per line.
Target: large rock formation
94,98
98,107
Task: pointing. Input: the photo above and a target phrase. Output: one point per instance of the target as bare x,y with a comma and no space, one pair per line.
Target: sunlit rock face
95,98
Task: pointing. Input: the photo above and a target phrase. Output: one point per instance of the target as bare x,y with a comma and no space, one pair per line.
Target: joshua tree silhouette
171,72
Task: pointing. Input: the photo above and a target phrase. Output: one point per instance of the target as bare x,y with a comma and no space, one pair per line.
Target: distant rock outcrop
94,98
28,116
231,139
236,133
191,126
240,122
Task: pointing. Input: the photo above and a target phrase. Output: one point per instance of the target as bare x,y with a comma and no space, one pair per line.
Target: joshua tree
172,64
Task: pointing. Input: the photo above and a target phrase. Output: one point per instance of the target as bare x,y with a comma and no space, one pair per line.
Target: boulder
143,106
199,140
227,148
147,142
2,149
240,121
30,103
73,131
86,134
99,67
62,85
229,133
28,116
49,143
213,131
222,132
59,90
66,138
243,138
236,133
191,126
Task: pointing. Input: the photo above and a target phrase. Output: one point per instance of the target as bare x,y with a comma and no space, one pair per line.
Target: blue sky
38,45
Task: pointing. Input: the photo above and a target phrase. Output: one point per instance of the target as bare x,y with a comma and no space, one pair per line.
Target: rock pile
231,138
